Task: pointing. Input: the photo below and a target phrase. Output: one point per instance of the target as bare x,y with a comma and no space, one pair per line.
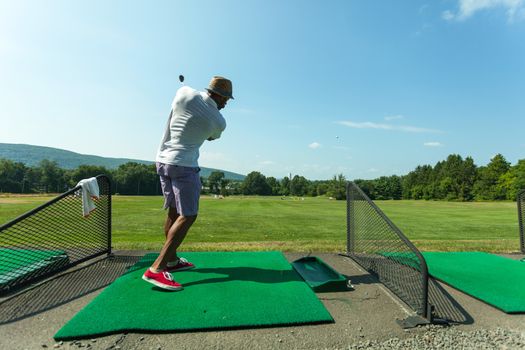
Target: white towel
90,191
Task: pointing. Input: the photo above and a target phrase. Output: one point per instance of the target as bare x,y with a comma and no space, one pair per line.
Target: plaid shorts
181,187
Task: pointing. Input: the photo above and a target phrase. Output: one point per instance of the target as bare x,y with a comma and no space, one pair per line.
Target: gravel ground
436,337
365,318
430,337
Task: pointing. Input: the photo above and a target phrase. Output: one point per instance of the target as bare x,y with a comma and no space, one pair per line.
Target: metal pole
290,184
349,231
519,199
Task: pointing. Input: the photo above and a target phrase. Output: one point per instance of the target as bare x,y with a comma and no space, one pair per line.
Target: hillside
31,155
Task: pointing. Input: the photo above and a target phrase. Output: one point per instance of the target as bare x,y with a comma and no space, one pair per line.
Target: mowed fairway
292,224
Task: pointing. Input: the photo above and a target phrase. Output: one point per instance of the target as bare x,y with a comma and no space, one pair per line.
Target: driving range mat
496,280
226,290
18,264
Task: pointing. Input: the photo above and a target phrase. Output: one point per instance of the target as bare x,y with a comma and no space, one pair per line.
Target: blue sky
363,88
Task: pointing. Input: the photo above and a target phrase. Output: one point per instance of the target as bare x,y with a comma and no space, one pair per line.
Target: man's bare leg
170,220
174,237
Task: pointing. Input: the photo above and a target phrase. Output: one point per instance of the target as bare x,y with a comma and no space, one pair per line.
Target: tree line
140,179
47,177
452,179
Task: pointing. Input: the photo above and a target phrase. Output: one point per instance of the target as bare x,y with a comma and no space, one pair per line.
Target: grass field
312,224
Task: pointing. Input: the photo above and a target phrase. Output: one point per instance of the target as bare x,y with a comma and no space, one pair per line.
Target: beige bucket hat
221,86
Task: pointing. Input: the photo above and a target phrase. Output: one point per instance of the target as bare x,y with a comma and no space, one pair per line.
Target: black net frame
54,237
375,243
521,218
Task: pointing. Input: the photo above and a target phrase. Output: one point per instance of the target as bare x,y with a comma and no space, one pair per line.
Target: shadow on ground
64,288
404,280
446,308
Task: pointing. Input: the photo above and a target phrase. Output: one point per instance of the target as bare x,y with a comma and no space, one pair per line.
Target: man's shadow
252,274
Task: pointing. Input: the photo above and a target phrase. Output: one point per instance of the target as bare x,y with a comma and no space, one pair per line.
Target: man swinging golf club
194,118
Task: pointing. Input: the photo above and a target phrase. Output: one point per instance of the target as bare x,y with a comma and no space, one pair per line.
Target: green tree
274,185
388,187
285,186
214,181
12,176
235,187
519,183
417,184
506,183
224,187
31,180
513,180
312,188
52,177
469,174
255,183
486,187
337,187
367,186
203,182
136,179
454,178
298,186
86,171
322,188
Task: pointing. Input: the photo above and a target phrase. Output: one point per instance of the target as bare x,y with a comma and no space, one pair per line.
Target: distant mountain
31,155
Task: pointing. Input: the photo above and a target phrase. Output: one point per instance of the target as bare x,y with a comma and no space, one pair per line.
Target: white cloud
314,145
467,8
370,125
433,144
372,170
394,117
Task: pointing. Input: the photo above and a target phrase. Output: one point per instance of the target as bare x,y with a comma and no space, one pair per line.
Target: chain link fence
376,244
54,237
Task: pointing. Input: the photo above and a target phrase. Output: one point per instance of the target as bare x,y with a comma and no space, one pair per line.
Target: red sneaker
161,279
182,265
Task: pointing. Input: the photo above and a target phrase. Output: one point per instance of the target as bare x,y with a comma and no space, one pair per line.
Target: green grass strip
226,290
493,279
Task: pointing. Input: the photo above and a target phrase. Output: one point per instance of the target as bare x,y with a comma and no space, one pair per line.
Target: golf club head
181,79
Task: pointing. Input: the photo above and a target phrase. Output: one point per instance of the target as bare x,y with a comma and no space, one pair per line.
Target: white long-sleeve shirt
194,118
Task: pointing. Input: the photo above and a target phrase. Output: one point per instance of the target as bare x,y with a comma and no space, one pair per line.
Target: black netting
380,247
521,218
53,237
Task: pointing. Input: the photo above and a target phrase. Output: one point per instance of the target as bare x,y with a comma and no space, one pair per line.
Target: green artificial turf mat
493,279
225,290
18,263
